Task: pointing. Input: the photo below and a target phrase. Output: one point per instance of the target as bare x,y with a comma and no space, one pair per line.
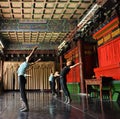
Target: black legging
53,86
22,82
64,86
50,85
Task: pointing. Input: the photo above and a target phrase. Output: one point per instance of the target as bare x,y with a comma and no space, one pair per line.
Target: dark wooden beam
48,26
28,51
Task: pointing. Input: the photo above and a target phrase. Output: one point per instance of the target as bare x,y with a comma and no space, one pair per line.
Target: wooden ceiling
43,9
39,12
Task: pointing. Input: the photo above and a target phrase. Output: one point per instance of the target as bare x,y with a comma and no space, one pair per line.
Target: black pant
22,82
58,85
50,85
53,86
64,86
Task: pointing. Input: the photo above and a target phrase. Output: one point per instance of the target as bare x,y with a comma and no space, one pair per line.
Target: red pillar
80,51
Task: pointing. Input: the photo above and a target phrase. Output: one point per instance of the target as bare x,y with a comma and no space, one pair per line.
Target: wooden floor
45,106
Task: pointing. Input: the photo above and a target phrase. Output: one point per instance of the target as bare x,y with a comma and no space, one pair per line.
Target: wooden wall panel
38,80
108,32
108,54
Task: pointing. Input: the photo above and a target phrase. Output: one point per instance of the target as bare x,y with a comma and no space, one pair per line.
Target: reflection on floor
45,106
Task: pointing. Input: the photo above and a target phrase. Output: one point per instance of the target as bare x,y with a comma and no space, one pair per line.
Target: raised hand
35,48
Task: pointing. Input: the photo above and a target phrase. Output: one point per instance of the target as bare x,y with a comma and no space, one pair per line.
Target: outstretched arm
29,56
27,75
33,50
75,65
35,61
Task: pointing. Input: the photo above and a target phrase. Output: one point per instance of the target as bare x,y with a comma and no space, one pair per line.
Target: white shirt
51,77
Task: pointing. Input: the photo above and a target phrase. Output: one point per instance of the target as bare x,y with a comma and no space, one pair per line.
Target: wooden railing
109,71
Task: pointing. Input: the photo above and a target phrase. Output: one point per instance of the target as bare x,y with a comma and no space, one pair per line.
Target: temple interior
85,32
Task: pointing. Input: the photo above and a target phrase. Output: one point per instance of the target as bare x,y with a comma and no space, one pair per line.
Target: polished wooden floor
45,106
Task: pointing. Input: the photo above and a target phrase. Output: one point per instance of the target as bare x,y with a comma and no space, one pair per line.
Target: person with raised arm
63,80
22,79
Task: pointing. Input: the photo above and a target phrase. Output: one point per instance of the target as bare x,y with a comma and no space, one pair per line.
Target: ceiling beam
28,51
48,26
